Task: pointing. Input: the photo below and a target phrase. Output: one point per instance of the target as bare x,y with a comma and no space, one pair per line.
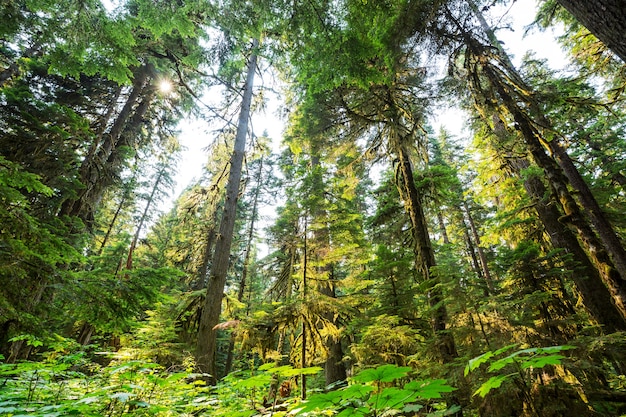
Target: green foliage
386,341
68,384
520,361
384,390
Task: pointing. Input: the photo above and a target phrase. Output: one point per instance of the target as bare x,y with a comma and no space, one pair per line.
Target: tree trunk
606,19
595,296
573,216
603,227
472,253
246,262
442,228
117,213
334,368
95,170
207,255
553,170
425,260
425,256
481,253
144,215
305,265
207,335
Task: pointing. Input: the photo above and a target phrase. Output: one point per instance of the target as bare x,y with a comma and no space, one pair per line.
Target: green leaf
267,366
430,388
256,381
448,412
357,391
121,396
391,398
88,400
412,408
479,360
384,373
541,361
491,383
354,412
321,401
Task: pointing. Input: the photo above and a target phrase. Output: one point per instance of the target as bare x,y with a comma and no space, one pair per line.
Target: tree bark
212,308
246,262
559,171
144,215
95,169
598,218
203,271
573,216
606,19
594,294
424,254
481,253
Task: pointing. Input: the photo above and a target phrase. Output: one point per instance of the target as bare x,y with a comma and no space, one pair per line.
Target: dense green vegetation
403,271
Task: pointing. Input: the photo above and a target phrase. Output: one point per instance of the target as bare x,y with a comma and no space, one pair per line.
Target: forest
364,263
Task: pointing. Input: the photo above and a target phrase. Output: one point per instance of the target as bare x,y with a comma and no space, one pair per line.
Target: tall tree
221,260
521,108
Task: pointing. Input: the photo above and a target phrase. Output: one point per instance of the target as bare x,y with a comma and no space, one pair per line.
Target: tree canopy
367,262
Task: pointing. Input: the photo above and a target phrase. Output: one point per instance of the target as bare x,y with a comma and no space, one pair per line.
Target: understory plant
519,364
381,391
68,383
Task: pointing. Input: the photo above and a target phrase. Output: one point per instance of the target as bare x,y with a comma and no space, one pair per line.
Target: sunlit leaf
384,373
491,383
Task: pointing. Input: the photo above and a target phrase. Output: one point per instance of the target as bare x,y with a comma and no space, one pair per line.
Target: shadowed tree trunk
424,254
481,253
505,84
98,168
603,227
212,307
243,282
144,216
595,296
606,19
573,216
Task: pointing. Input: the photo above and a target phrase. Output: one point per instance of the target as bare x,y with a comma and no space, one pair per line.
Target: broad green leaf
354,412
448,412
479,360
256,381
554,349
321,401
356,391
384,373
412,408
391,398
541,361
121,396
430,388
267,366
88,400
491,383
501,363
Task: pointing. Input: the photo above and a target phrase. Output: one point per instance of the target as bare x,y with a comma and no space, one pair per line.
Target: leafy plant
241,393
522,361
67,385
384,390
